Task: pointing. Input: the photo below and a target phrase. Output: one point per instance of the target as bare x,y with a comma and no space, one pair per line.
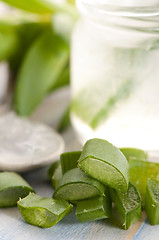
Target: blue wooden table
12,227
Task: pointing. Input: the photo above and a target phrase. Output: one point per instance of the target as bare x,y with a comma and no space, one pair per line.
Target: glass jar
115,72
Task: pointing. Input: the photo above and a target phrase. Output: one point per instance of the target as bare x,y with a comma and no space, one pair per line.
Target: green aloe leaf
42,6
56,177
104,162
41,211
65,120
128,205
64,79
52,168
69,160
8,40
140,171
94,208
35,6
55,173
27,32
12,187
134,153
41,69
152,201
76,185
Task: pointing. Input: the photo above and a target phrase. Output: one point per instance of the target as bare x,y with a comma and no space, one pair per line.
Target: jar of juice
115,72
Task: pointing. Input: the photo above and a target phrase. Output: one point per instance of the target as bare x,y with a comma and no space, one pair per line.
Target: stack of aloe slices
91,180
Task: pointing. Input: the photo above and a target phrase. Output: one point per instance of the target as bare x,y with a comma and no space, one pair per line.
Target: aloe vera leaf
76,185
52,168
104,162
64,79
69,160
41,211
55,173
134,153
8,40
71,1
39,72
43,6
27,32
35,6
139,173
128,205
12,187
152,201
94,208
56,177
65,120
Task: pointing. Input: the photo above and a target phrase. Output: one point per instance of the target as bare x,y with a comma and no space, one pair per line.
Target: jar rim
125,8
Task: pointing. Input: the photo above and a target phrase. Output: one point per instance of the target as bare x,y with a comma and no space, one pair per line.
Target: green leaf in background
64,79
42,6
27,32
71,1
35,6
65,120
8,40
41,69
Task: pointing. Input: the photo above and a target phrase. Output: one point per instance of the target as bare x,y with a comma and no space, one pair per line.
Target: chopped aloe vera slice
12,187
140,171
104,162
128,205
52,168
152,201
76,185
41,211
134,153
56,177
69,160
55,173
94,208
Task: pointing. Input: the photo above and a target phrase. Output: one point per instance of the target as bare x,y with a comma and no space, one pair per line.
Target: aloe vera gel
115,52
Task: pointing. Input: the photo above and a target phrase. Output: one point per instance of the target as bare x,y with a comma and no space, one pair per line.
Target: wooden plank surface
12,227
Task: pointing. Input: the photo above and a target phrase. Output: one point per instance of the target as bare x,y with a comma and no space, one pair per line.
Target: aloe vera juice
115,90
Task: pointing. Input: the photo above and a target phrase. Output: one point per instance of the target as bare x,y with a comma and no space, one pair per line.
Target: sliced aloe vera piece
69,160
140,171
52,168
8,39
152,201
12,187
41,211
128,205
76,185
55,173
134,153
94,208
56,177
104,162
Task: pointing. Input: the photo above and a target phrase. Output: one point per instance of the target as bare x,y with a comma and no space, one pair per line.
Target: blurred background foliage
35,41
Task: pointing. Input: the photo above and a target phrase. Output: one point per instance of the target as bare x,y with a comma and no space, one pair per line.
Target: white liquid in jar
98,74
